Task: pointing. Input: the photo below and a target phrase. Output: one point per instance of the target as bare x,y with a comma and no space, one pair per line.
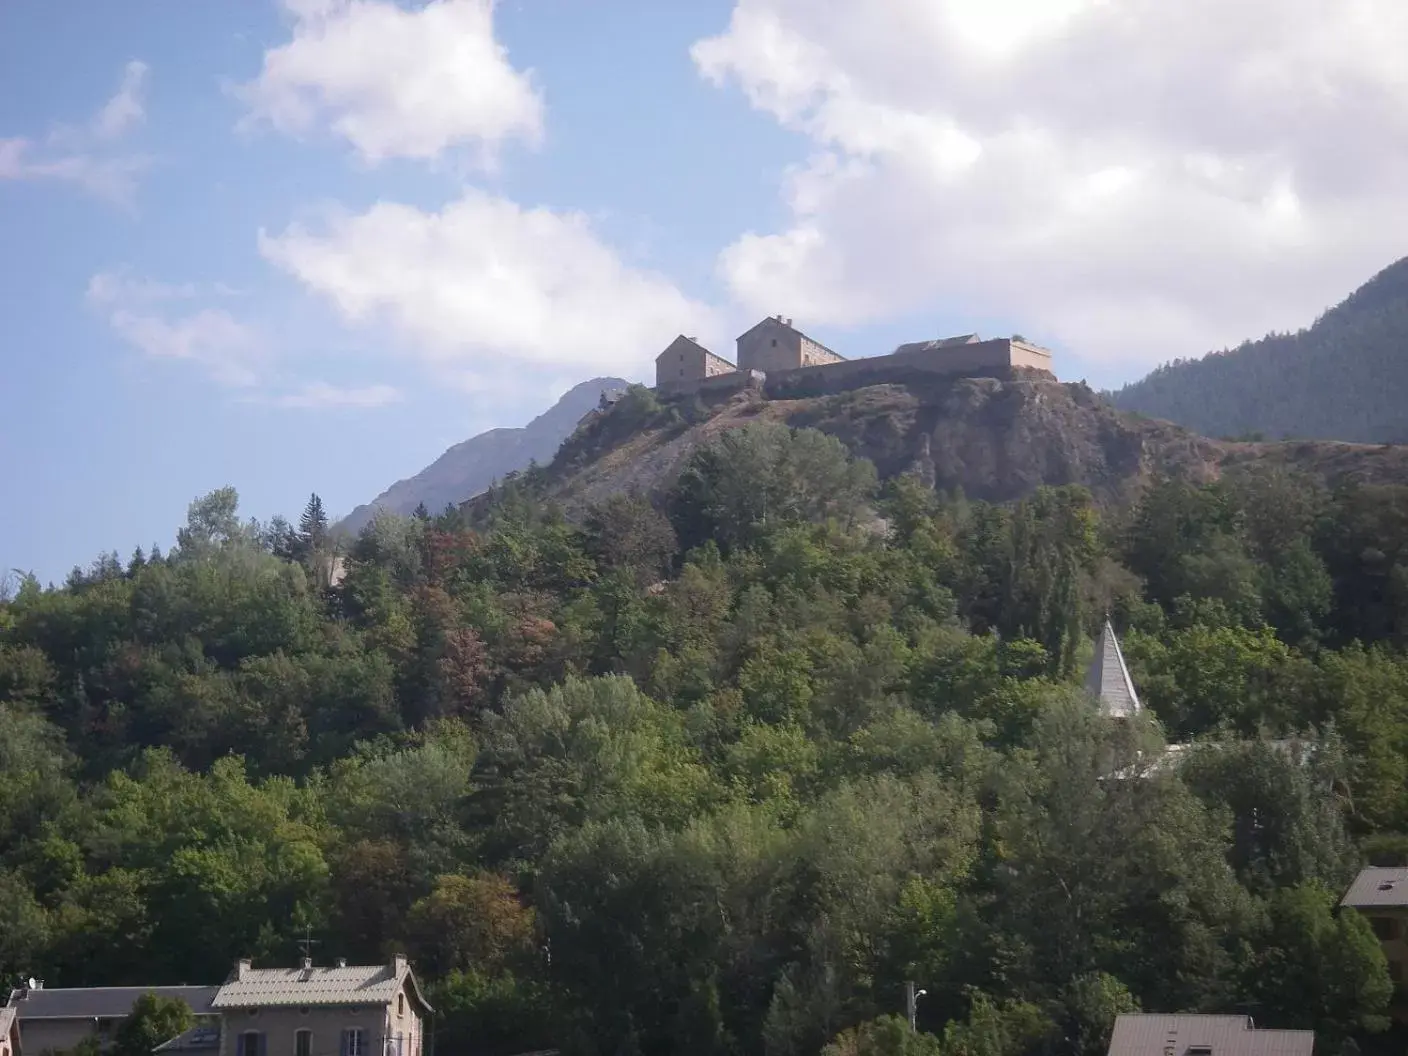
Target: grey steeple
1107,678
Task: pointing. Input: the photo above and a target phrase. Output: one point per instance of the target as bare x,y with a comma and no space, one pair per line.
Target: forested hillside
718,776
1344,378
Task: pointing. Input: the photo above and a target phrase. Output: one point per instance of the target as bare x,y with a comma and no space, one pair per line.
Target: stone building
784,363
685,364
362,1010
776,345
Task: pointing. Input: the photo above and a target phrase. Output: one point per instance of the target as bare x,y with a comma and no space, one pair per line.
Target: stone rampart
981,359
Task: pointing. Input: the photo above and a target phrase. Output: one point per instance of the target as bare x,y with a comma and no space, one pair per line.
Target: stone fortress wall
785,363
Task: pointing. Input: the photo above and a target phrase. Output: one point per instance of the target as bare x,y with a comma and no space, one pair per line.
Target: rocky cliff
995,439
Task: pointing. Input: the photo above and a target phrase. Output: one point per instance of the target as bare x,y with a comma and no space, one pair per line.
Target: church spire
1107,678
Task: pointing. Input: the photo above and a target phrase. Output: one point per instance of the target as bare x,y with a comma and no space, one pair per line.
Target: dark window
352,1043
400,1004
1384,927
249,1044
303,1043
774,342
1395,971
104,1026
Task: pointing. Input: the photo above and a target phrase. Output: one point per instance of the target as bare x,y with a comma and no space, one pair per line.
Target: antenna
307,943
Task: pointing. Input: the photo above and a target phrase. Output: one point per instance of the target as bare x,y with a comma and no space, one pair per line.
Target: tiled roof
1154,1034
940,342
103,1002
375,984
1378,886
1108,679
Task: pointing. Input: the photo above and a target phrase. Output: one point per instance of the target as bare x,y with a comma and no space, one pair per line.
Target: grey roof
1108,679
1155,1034
375,984
940,342
102,1002
1378,886
203,1037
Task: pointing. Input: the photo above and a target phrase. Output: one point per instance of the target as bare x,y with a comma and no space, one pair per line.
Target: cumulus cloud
485,288
319,394
1131,180
87,155
396,82
166,321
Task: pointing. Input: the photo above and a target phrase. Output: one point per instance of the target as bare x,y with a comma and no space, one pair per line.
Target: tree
313,525
153,1020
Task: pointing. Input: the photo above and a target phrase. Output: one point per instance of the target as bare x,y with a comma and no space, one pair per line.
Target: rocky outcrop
996,439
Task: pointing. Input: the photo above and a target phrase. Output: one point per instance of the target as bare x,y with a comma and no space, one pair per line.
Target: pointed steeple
1107,678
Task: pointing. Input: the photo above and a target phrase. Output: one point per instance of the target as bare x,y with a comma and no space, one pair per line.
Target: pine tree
313,525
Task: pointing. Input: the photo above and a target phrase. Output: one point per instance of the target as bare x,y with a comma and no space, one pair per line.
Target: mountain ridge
467,468
1344,377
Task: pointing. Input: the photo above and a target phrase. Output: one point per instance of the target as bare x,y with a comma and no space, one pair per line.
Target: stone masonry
784,362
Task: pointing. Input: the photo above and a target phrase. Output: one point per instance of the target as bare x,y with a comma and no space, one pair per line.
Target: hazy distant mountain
1344,378
469,467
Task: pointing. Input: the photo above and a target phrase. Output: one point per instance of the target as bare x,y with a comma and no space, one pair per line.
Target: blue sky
306,245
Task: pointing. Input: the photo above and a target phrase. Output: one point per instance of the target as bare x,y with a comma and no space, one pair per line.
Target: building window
1395,971
400,1004
1385,928
774,342
250,1044
104,1027
352,1043
303,1043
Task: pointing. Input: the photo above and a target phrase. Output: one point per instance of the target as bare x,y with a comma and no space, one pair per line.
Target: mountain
1344,378
469,467
996,439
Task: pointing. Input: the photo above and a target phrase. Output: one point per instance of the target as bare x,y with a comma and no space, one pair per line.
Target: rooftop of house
376,984
1378,886
1155,1034
101,1002
1108,679
941,342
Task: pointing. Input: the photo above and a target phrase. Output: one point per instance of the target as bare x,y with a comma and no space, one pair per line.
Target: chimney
399,963
342,962
242,967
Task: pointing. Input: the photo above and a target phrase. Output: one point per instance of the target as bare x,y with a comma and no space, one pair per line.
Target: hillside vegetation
1344,378
718,775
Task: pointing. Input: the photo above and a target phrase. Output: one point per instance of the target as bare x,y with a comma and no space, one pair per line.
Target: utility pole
911,1005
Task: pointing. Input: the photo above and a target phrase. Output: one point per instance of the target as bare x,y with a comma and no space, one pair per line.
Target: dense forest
1344,378
718,773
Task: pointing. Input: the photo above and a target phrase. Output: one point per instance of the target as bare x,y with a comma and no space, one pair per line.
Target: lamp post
911,1001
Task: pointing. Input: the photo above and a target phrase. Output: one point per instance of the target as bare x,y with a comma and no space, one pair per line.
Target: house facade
1155,1034
55,1021
686,363
9,1032
375,1010
775,345
1380,893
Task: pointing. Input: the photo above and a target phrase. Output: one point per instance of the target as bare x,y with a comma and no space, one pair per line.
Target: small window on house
1395,971
1385,928
249,1044
774,342
400,1004
303,1043
352,1044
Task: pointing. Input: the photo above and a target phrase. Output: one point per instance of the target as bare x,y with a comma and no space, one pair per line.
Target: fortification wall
715,385
981,359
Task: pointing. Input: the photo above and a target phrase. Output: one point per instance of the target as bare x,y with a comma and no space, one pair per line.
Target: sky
303,246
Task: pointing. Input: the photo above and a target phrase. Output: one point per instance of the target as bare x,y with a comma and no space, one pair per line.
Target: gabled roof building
57,1020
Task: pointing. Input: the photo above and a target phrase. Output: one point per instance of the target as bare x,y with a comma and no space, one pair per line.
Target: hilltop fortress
777,358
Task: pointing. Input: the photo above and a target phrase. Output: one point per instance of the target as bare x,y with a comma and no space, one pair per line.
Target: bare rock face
996,439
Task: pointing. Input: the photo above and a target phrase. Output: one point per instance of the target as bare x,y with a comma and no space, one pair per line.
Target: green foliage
153,1020
717,771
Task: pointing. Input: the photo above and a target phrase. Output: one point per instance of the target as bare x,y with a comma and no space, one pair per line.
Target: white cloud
1133,180
486,289
396,82
319,394
141,311
126,109
87,156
